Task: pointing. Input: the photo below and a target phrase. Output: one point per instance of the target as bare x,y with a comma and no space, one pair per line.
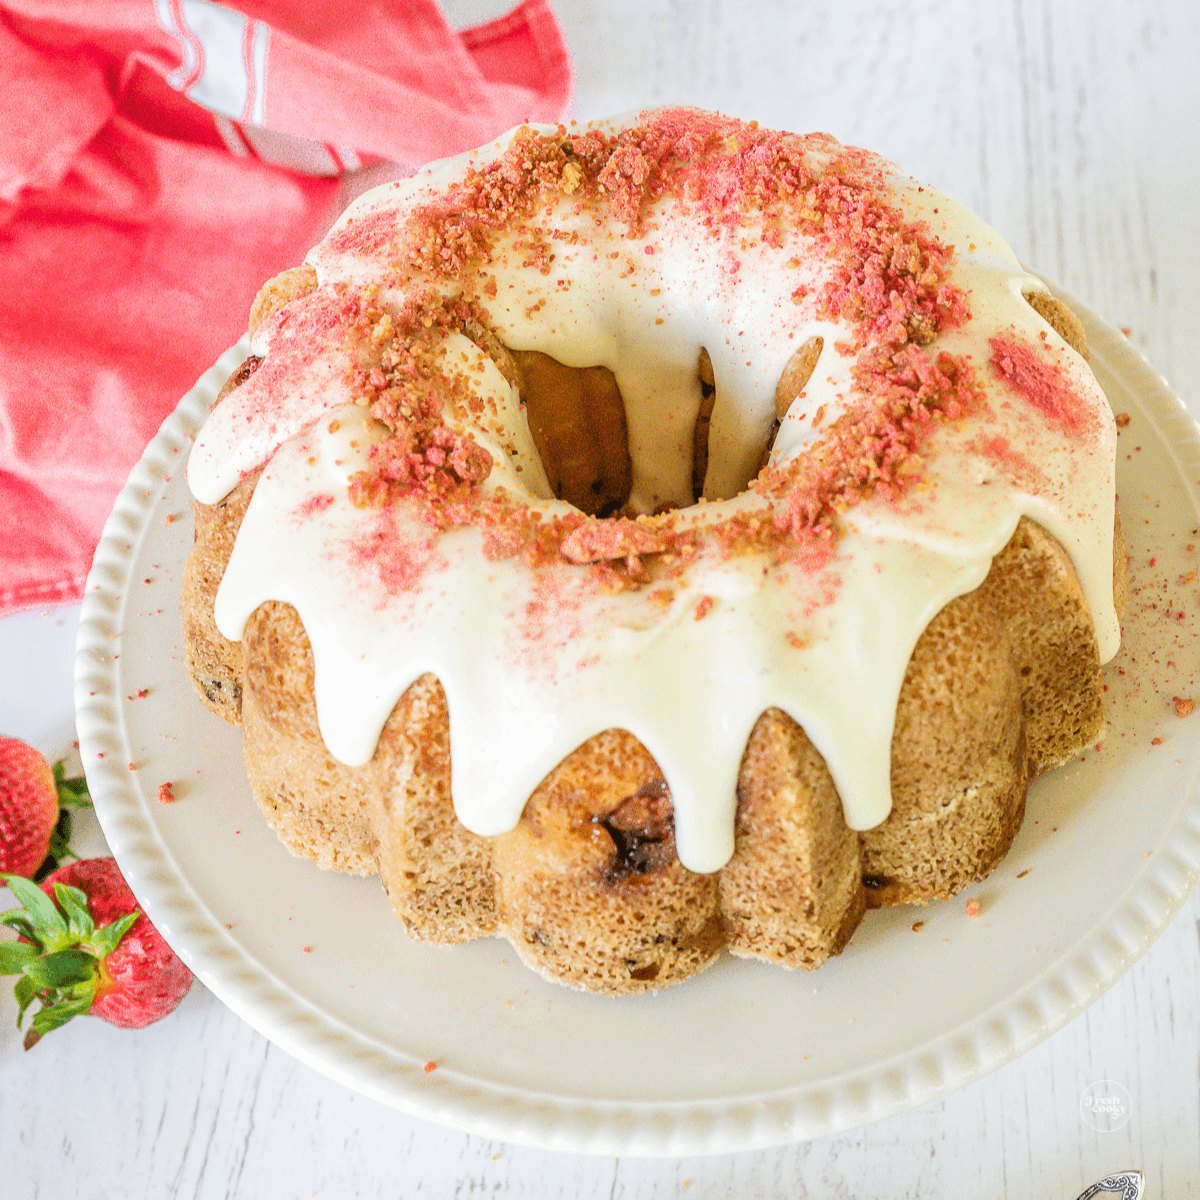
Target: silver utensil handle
1125,1184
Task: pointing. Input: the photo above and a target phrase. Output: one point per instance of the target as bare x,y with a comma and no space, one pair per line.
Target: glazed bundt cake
654,536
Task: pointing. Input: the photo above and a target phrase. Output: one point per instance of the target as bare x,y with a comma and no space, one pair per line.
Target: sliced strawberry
87,948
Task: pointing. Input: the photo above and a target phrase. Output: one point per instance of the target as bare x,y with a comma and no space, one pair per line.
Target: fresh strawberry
32,827
86,947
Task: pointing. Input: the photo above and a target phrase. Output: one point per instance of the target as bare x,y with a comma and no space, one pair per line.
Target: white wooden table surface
1072,126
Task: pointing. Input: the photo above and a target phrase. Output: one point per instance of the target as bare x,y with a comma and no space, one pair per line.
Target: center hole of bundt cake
577,418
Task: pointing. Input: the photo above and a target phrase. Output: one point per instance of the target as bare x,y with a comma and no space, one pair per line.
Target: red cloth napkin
159,159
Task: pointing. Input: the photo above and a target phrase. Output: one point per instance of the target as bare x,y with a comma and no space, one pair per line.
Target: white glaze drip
534,663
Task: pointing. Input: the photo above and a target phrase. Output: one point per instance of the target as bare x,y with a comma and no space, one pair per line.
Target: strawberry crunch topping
874,447
1045,385
890,281
618,538
891,277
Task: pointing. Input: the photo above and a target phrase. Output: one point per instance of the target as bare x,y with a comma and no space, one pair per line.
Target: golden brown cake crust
959,761
1061,319
214,663
792,893
588,887
285,287
437,874
1033,589
317,805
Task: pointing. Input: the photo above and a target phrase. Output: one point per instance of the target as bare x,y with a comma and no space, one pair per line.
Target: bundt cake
654,536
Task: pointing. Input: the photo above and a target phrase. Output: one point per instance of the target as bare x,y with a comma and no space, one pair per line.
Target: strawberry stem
72,793
60,961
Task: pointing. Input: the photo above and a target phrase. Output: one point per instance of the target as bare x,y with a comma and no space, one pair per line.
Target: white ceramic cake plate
743,1056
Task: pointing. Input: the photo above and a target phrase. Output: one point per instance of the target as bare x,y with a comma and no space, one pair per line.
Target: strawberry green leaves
60,957
15,956
38,912
72,793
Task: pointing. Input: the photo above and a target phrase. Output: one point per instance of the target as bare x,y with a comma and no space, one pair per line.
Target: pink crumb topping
1015,465
275,396
874,447
614,538
434,459
371,233
891,275
314,504
890,279
398,563
1045,385
553,614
